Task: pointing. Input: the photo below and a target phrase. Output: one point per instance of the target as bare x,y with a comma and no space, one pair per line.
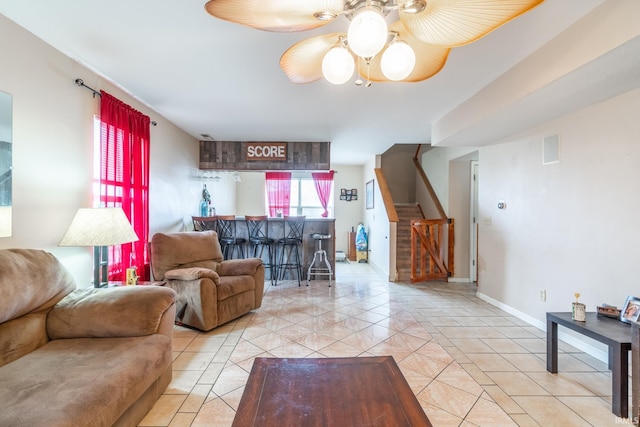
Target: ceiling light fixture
413,48
367,33
398,61
338,65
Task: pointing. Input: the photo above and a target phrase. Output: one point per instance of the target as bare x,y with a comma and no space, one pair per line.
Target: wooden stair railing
427,235
427,239
392,214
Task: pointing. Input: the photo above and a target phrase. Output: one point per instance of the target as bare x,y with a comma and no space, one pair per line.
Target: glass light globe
337,65
398,61
367,33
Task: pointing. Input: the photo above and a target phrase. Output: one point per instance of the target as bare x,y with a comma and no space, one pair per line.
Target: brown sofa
211,291
78,357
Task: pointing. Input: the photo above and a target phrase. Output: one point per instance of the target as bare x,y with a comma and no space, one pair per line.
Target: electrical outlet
543,295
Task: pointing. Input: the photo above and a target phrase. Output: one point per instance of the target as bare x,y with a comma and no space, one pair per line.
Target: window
121,178
304,197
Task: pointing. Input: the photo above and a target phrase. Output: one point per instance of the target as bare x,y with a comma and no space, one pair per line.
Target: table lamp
99,227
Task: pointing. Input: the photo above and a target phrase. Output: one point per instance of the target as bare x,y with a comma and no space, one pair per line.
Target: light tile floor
469,363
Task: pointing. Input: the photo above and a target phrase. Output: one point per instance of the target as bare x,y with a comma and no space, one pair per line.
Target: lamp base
100,262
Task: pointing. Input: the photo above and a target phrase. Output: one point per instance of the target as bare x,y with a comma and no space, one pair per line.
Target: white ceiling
212,77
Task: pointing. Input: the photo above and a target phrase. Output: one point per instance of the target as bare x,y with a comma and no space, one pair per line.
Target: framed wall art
348,195
368,195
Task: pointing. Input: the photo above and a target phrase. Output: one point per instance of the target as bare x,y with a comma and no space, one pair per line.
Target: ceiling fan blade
276,15
302,62
429,59
458,22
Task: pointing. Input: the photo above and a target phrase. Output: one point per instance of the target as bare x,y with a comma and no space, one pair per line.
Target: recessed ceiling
216,78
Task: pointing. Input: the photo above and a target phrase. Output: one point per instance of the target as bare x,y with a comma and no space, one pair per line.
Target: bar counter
309,245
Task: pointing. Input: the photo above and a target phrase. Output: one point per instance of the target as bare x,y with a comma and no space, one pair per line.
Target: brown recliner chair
210,291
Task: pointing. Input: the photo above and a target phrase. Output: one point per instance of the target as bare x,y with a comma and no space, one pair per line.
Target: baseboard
377,269
572,340
459,280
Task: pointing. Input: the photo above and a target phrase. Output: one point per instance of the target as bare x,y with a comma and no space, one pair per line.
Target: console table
612,332
635,368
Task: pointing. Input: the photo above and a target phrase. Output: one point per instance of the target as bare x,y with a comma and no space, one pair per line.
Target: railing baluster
427,249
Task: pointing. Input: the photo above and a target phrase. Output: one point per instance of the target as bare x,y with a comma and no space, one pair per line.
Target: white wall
376,223
568,227
250,194
459,209
347,214
52,157
435,163
448,170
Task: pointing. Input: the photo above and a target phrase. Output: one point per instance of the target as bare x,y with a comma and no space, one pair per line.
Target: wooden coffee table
350,391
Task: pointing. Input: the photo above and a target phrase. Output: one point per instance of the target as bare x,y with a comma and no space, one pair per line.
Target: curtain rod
80,82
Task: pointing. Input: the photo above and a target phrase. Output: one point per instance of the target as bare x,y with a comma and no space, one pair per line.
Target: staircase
406,212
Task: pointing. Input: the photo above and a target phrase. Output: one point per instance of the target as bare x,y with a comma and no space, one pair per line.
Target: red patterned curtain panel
323,182
124,180
278,192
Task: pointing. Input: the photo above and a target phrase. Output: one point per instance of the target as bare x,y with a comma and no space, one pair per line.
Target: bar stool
320,255
230,242
258,227
289,246
205,223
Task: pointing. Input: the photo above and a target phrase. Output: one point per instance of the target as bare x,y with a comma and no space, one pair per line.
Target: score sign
267,151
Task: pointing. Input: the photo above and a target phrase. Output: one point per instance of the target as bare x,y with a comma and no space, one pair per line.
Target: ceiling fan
413,48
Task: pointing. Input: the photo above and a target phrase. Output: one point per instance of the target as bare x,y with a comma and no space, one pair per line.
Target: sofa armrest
239,267
113,312
192,273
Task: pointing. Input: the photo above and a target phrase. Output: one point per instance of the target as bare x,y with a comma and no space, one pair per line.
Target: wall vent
550,148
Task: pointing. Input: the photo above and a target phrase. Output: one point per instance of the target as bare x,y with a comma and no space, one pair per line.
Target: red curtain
124,180
278,192
323,182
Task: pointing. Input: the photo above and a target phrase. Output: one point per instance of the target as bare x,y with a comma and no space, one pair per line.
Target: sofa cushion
32,280
81,381
188,249
193,273
126,311
21,336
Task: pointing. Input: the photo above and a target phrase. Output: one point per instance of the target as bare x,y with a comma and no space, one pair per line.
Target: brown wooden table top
349,391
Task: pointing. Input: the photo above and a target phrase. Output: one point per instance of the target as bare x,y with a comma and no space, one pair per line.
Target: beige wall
460,208
347,214
568,227
402,182
52,158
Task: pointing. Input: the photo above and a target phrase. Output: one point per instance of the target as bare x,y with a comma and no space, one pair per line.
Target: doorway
473,246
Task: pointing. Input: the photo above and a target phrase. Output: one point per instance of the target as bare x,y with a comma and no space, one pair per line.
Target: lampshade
367,33
398,61
99,227
338,65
